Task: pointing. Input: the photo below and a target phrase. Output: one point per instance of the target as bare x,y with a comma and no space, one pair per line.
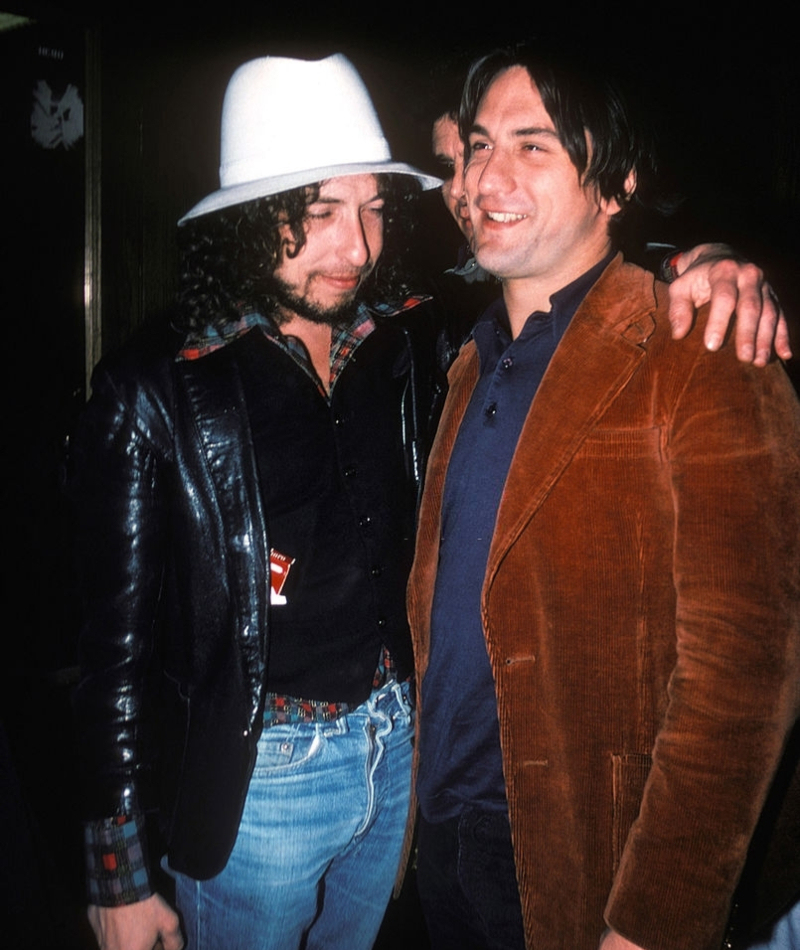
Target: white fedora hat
292,122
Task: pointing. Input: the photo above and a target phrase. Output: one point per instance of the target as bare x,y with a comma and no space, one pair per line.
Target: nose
457,184
457,188
355,241
493,175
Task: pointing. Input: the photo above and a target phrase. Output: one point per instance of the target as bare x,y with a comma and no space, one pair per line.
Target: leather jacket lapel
216,399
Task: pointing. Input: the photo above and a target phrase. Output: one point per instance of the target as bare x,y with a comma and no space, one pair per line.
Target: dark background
723,90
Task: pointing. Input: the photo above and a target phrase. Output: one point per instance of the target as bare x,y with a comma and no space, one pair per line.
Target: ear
288,246
630,184
612,206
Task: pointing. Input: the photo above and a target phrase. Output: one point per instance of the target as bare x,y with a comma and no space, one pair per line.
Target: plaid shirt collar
344,340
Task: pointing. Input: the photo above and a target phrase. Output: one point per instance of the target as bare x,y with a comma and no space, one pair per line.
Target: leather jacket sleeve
174,561
122,464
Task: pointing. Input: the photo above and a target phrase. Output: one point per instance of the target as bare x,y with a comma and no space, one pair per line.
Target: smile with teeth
504,217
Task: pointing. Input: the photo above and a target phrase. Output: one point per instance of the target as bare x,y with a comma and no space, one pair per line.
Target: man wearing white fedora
246,482
247,491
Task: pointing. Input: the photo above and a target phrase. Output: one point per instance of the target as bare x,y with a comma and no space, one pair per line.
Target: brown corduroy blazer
641,608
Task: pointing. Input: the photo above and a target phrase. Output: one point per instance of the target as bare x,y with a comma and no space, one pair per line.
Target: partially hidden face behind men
448,149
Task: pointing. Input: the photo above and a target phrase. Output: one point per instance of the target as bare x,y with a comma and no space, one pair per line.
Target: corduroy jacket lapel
598,354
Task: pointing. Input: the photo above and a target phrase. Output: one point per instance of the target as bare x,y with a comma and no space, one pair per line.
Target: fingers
681,315
726,301
170,941
733,289
782,345
687,294
150,924
170,934
767,328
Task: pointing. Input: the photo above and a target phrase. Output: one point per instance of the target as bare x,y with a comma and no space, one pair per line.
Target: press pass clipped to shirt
279,567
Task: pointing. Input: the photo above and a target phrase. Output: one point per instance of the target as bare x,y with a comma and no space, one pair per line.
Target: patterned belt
280,710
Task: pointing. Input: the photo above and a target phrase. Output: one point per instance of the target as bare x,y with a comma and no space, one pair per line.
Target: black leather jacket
174,555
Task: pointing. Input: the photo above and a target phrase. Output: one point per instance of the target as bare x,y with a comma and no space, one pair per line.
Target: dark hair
578,101
228,257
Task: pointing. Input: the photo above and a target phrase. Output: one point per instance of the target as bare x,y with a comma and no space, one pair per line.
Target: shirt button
376,571
365,521
508,362
491,409
381,621
350,471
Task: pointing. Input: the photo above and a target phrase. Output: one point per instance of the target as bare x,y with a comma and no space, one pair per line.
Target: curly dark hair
228,257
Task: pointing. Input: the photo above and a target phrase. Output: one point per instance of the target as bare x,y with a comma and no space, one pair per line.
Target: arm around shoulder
740,297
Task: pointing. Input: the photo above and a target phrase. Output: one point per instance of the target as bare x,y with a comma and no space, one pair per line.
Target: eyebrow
333,200
518,133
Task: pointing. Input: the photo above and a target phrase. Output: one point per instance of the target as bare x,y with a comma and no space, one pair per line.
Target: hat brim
264,187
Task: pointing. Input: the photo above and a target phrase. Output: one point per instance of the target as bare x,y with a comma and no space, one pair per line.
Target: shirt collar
563,305
344,341
200,343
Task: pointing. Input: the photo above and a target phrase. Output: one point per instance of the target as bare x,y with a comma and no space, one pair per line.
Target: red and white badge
279,567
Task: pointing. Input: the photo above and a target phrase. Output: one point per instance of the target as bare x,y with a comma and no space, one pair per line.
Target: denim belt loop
401,694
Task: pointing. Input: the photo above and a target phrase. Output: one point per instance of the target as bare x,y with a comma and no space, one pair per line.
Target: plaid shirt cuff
116,861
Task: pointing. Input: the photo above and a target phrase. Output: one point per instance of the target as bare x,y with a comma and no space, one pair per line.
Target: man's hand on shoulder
613,941
144,925
713,272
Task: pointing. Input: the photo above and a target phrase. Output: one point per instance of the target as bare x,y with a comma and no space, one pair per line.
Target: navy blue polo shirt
460,759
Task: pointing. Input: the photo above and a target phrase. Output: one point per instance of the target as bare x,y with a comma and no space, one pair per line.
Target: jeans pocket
287,747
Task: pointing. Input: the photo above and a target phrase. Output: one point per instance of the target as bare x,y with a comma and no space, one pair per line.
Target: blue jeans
784,935
319,842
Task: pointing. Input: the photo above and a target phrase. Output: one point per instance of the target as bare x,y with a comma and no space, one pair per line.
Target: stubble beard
289,303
